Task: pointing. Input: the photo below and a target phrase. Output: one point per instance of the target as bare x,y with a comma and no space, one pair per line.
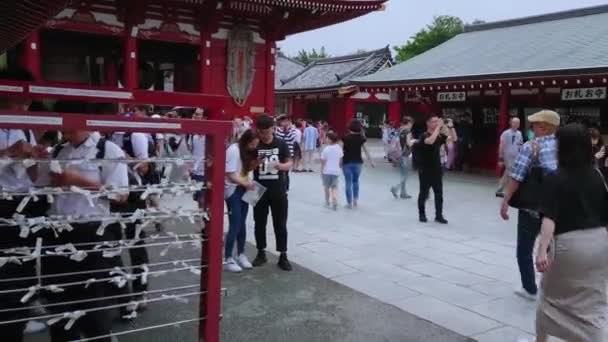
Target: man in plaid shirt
544,124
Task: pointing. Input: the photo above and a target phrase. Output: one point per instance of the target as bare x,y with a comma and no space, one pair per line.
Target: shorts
330,181
199,195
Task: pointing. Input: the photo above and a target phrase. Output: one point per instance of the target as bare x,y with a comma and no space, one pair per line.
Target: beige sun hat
546,116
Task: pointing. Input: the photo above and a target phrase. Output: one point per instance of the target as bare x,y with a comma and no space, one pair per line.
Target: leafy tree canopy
442,29
306,57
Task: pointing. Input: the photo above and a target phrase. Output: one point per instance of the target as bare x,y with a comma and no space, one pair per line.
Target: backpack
28,135
127,145
101,149
403,142
153,176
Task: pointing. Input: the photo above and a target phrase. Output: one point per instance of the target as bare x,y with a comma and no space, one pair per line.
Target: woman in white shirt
241,160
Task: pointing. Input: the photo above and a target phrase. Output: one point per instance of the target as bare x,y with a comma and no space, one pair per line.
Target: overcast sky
402,18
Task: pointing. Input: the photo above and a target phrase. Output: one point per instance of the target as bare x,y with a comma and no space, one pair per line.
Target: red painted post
349,114
130,64
394,111
270,70
205,63
503,112
31,55
503,121
211,275
298,107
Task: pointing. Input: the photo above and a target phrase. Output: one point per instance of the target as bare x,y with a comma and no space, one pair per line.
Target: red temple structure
219,55
323,90
510,68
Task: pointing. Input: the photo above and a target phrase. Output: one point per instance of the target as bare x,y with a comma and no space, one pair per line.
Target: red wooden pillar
30,58
503,111
211,275
205,63
298,108
394,112
130,64
503,123
349,114
336,116
270,70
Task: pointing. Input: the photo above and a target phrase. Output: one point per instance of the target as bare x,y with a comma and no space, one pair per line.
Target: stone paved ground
460,276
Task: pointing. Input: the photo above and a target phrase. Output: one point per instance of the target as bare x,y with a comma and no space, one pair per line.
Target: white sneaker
231,266
34,327
525,294
243,261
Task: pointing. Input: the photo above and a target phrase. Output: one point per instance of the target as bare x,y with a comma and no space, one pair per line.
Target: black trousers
10,239
430,179
14,332
277,203
138,256
528,228
95,323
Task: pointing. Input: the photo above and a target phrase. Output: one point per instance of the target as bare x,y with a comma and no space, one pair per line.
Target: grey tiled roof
285,68
550,43
331,73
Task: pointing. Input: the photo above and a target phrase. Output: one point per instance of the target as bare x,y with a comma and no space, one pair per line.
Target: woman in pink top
322,134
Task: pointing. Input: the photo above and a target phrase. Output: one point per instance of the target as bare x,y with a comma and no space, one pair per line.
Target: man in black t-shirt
274,161
429,166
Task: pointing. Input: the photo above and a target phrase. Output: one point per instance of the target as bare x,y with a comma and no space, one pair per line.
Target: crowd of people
555,180
67,274
454,155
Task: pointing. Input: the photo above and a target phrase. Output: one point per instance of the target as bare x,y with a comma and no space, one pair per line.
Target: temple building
323,90
215,54
509,68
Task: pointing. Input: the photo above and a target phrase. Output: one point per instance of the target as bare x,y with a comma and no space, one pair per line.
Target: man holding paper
274,162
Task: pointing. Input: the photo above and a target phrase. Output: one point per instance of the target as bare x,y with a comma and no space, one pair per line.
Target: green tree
306,57
442,29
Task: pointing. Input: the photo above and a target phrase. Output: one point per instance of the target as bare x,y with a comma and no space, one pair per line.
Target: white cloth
14,177
109,173
511,140
140,142
198,154
298,136
233,165
332,154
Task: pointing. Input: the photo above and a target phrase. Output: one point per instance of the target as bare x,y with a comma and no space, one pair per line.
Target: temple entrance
318,111
372,115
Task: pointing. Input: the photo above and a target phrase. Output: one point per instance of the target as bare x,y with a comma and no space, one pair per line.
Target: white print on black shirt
269,159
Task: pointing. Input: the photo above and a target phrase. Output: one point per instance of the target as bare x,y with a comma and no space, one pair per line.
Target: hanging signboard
453,96
576,94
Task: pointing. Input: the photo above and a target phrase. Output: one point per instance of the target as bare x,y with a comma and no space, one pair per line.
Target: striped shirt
289,137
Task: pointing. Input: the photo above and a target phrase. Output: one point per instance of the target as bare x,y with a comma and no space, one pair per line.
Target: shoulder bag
527,195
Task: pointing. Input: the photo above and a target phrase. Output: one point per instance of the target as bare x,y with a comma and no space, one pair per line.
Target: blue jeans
528,228
352,171
404,165
237,218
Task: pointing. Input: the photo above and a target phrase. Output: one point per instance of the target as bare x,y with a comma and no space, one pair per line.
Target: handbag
527,195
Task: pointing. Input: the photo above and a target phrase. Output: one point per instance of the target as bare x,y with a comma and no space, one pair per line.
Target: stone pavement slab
460,276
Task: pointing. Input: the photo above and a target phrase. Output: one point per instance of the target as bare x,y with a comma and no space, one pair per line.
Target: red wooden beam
79,92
